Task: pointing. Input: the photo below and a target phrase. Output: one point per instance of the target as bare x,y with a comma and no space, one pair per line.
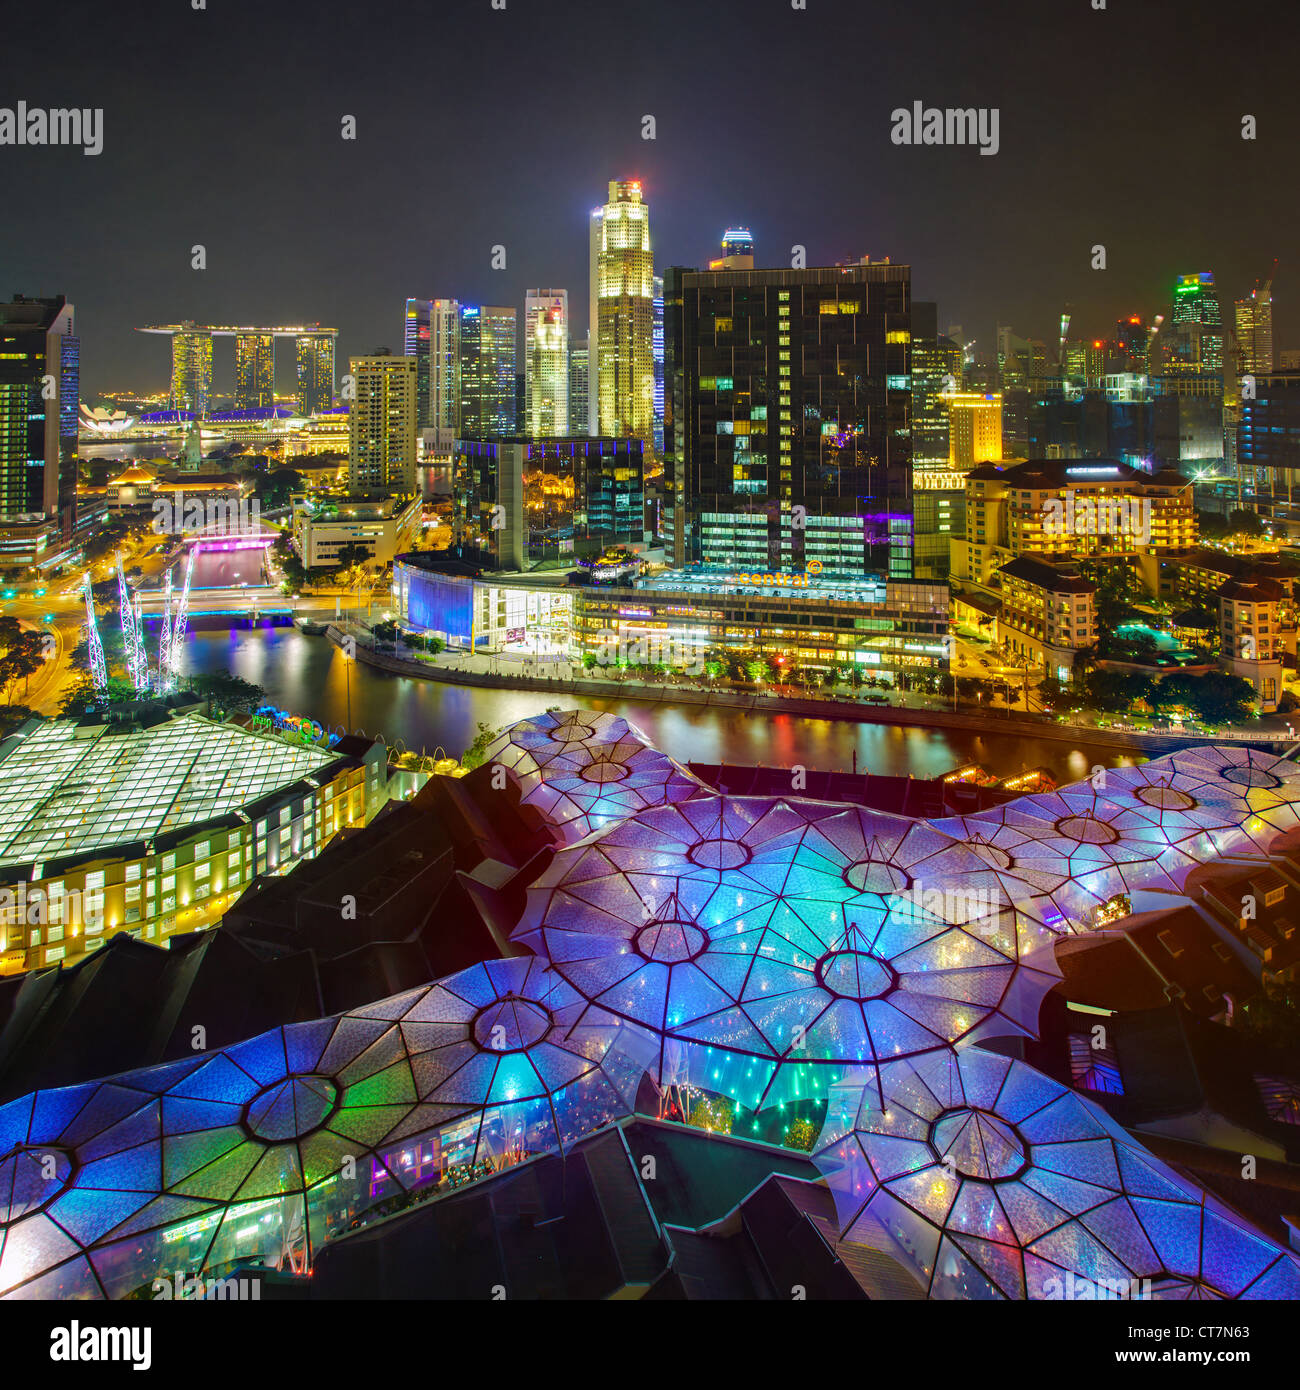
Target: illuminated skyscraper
444,364
579,359
546,363
416,343
974,429
315,372
381,425
1193,339
488,363
787,431
1132,338
254,370
38,471
658,345
192,369
1255,331
622,382
737,250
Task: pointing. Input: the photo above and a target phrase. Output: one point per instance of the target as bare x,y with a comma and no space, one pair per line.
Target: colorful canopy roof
766,940
269,1147
585,770
989,1180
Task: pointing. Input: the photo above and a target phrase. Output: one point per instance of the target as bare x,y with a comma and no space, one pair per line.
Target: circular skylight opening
291,1108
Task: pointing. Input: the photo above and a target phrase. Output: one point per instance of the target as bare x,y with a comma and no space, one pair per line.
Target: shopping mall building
683,616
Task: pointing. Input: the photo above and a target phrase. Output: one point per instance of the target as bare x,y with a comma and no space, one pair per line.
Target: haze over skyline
456,154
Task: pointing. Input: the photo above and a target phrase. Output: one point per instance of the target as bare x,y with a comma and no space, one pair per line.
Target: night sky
478,127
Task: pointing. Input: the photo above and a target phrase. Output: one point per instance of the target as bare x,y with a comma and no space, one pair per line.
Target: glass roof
989,1180
69,789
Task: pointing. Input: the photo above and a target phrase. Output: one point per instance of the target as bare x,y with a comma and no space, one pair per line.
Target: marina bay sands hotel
254,365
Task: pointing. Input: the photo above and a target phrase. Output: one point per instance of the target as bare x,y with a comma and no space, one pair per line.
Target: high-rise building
254,370
1193,339
416,342
622,316
444,364
38,471
381,425
974,429
546,363
737,250
192,369
658,350
1132,338
787,437
315,353
579,360
488,363
1255,331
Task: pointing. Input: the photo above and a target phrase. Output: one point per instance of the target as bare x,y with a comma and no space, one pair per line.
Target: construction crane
98,670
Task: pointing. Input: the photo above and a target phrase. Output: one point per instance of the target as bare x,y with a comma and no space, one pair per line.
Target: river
307,675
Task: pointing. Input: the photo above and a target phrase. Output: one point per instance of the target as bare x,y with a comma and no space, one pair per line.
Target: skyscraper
1255,330
488,363
787,439
579,359
381,425
622,316
546,363
1194,338
444,364
315,372
192,369
974,429
737,250
416,343
658,349
38,477
254,370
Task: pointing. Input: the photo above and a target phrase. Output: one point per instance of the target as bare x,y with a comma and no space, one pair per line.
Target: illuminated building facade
788,401
659,365
315,363
974,429
384,527
1048,614
567,497
579,387
737,250
38,469
189,813
444,364
192,370
381,425
1251,641
938,495
1255,331
1132,345
1193,337
546,363
417,342
254,370
488,364
622,382
1268,439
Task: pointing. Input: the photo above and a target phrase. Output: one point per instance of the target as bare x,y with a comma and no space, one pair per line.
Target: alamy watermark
213,516
1075,515
653,649
932,125
37,125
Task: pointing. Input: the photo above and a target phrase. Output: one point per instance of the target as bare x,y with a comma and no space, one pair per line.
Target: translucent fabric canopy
1252,781
769,943
991,1181
267,1148
585,770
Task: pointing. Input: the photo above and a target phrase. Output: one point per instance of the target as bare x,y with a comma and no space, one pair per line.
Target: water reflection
308,675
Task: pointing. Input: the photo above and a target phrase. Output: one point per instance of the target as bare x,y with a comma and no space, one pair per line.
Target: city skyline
829,177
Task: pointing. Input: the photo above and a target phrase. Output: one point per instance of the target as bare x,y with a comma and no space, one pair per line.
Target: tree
274,489
21,662
1216,697
351,556
473,756
1115,692
1245,523
222,689
758,671
1211,525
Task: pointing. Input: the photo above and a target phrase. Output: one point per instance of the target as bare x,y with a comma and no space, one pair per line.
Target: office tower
737,250
1015,360
38,471
1194,336
315,353
254,370
546,363
381,425
938,495
416,343
444,364
622,316
1268,441
787,438
192,369
1255,330
657,344
974,429
579,360
1132,337
487,371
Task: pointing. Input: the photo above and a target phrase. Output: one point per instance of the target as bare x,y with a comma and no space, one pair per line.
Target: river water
307,675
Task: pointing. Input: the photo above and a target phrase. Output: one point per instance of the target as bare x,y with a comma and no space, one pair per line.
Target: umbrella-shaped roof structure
584,770
992,1181
269,1147
771,942
1248,778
